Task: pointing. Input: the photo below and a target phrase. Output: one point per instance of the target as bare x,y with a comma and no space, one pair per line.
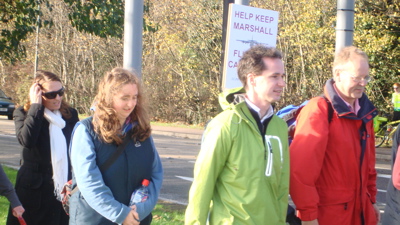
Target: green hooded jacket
237,178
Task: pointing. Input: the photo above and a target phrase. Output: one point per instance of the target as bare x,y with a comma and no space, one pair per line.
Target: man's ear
336,75
250,79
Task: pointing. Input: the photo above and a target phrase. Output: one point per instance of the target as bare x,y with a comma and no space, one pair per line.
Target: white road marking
8,135
185,178
384,176
173,201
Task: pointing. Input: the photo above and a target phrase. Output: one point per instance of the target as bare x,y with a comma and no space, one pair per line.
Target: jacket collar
229,96
366,113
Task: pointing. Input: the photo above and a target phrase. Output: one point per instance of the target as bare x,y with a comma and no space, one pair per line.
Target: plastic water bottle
141,194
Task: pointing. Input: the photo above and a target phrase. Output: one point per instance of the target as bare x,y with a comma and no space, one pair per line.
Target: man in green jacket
241,175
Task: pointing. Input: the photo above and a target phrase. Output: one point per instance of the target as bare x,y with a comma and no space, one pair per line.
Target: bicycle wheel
381,136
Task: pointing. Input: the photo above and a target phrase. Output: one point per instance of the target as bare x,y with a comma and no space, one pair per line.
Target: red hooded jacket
333,176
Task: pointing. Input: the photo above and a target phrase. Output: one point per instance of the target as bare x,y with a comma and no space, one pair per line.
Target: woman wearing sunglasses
43,127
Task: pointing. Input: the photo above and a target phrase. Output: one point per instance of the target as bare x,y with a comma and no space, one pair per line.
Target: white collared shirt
269,113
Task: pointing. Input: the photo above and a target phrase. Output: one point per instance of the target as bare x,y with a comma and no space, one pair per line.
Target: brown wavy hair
105,120
252,61
42,77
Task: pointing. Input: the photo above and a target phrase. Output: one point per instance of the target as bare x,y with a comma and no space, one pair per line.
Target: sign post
247,26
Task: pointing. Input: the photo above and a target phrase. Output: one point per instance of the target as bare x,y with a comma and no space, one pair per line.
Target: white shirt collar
269,113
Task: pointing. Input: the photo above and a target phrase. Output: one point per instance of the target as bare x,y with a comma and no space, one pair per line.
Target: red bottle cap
145,182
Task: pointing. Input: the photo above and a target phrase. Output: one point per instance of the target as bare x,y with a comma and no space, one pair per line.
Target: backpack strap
330,109
117,153
112,158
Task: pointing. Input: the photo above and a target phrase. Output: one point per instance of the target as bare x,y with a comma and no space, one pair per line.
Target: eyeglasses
53,94
395,87
359,79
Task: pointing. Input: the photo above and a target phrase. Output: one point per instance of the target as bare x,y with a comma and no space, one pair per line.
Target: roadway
178,154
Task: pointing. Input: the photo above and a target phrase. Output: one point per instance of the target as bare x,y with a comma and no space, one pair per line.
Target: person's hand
35,93
132,218
312,222
133,207
377,213
18,211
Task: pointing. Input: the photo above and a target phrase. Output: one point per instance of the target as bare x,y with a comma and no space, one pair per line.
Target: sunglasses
395,87
53,94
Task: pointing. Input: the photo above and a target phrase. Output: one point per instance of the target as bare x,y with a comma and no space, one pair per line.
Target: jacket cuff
124,213
13,199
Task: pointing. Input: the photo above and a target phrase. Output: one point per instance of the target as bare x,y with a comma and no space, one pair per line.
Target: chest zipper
270,152
270,161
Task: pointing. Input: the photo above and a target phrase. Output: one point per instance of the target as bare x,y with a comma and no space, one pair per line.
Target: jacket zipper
270,161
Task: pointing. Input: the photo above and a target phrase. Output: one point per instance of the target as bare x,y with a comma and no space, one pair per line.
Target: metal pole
133,30
37,44
242,2
344,24
224,25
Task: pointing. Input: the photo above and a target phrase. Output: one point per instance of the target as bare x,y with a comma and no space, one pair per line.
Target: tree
182,49
18,20
182,59
378,33
98,17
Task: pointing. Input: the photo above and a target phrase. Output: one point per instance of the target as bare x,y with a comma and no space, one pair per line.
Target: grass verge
165,213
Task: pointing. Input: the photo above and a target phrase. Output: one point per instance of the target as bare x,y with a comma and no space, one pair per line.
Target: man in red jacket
333,176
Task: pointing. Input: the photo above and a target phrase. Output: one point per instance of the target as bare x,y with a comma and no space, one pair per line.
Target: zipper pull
270,146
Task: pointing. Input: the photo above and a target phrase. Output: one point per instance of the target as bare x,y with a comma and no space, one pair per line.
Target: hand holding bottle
132,218
141,194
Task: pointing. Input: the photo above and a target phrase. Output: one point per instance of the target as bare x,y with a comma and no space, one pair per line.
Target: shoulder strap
330,109
88,123
110,160
116,154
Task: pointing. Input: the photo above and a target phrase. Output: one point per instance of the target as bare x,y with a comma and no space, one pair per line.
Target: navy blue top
103,198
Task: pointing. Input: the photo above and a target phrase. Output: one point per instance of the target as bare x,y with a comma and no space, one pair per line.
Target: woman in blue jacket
103,196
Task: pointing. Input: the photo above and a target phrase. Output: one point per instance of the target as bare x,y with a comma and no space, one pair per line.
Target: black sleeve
28,124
